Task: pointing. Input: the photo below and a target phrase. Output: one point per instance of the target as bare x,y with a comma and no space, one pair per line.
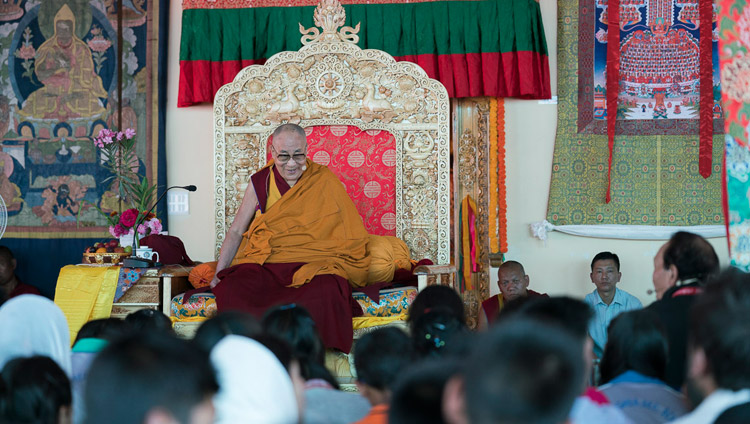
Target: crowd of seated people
539,359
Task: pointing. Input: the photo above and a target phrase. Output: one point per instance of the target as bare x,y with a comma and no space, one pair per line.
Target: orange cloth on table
202,274
378,415
315,223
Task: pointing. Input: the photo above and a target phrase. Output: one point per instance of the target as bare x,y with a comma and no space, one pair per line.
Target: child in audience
435,330
379,358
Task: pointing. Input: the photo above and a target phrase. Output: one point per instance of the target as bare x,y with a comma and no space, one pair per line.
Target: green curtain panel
655,179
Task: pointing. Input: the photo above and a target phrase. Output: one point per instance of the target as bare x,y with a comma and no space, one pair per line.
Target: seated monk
10,285
513,284
297,238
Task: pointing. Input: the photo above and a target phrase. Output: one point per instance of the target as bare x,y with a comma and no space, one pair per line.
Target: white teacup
146,252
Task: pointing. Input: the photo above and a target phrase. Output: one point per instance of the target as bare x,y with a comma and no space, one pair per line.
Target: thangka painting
734,40
655,162
59,87
659,68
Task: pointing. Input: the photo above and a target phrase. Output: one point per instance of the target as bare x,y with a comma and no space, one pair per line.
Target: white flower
129,35
7,29
131,62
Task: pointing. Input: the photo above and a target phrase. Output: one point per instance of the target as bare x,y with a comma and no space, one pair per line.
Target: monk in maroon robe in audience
297,238
10,285
513,284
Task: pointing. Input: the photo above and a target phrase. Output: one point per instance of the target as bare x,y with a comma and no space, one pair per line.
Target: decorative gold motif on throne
467,160
285,109
330,16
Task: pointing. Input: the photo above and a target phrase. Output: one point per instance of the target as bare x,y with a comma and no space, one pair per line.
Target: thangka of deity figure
64,65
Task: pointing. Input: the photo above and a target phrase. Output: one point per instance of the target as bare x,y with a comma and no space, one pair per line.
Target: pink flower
26,52
129,133
99,44
117,230
120,135
155,225
128,218
142,228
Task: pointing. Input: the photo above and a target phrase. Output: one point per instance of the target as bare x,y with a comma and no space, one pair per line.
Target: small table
154,290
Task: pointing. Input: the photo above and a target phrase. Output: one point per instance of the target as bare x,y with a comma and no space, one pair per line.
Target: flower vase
127,240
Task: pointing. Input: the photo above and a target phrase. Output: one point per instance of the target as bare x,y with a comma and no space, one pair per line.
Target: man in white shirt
719,349
607,300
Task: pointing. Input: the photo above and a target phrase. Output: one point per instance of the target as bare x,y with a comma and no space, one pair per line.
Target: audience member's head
7,269
418,394
295,325
605,272
573,315
150,377
106,329
224,324
522,371
436,296
149,320
379,358
34,325
512,281
637,342
434,331
255,387
719,336
685,258
34,390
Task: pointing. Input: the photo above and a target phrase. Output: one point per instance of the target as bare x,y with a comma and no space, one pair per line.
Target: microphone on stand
133,261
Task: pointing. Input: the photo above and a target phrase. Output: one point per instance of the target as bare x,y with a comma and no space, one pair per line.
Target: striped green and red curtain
492,48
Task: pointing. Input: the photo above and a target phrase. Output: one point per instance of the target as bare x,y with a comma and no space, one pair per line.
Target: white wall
561,266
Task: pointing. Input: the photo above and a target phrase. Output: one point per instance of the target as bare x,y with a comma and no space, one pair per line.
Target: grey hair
292,128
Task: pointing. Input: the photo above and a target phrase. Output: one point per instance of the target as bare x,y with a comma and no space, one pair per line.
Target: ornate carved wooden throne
330,81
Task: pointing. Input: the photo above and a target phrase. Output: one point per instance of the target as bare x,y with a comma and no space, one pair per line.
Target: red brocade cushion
365,162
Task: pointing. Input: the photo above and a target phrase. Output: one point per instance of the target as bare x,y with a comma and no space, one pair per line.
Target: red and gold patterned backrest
365,161
382,126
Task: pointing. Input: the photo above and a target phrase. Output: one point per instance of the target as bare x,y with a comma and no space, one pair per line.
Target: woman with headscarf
254,386
33,325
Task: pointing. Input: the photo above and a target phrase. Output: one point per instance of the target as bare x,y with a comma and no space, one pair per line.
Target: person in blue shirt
607,300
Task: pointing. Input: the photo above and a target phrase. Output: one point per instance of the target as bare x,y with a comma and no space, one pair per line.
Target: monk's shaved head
290,128
512,265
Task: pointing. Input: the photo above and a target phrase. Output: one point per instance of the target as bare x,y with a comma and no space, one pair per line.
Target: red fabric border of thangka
613,82
705,146
463,75
241,4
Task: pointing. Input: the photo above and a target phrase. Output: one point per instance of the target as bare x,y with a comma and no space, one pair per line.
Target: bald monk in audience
513,284
297,238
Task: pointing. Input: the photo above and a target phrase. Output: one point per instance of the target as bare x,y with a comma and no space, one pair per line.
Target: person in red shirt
10,285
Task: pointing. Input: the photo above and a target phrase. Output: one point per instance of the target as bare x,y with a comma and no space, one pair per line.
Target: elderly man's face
512,282
663,278
289,152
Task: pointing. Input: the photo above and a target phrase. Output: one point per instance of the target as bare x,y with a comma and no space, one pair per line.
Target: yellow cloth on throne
316,223
85,293
71,86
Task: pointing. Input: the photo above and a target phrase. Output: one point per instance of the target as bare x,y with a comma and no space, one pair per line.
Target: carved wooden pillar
470,171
